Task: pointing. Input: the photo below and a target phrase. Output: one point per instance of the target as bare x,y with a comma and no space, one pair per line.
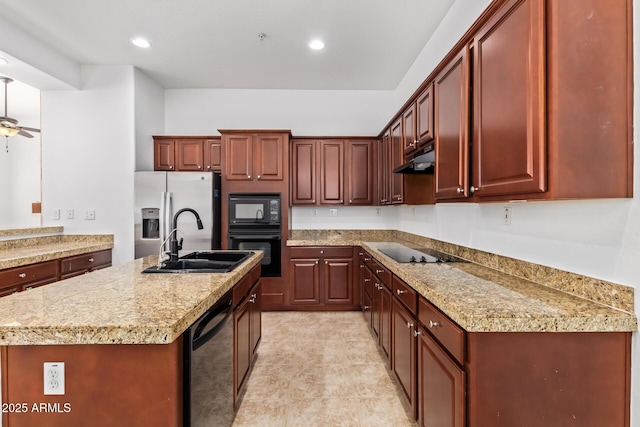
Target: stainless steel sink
203,262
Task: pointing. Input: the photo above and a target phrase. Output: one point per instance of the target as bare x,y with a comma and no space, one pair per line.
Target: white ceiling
370,44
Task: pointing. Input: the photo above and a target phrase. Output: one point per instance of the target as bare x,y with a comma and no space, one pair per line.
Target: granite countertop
482,299
116,305
19,252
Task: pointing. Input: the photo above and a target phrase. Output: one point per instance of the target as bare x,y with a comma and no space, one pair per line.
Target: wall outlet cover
53,378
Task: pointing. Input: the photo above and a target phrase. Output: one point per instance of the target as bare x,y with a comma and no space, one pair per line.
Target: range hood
423,162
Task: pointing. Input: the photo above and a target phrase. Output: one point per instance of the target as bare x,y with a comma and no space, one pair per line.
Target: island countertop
116,305
483,299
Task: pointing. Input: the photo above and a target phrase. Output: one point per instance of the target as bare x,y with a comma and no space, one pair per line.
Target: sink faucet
174,244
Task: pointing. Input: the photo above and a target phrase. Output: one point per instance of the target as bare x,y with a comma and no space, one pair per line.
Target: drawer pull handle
409,325
379,271
378,286
22,275
253,298
360,253
367,259
400,292
366,307
361,265
367,280
433,324
28,288
90,259
416,333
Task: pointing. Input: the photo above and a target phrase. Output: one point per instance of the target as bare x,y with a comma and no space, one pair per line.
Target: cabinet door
451,92
337,281
424,116
441,386
239,157
305,280
213,155
163,155
409,140
367,308
384,174
331,172
189,155
403,360
385,337
509,101
242,354
396,159
303,181
359,172
269,157
255,333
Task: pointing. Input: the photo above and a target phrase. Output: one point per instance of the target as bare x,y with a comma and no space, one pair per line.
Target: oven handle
198,339
255,236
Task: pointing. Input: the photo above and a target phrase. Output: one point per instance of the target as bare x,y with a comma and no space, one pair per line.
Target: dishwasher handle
199,339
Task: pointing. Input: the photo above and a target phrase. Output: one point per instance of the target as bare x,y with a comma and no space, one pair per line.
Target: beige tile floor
320,369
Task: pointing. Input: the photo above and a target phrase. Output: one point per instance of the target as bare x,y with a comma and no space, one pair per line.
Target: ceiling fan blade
29,129
25,134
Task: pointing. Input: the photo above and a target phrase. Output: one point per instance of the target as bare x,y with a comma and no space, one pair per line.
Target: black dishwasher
208,368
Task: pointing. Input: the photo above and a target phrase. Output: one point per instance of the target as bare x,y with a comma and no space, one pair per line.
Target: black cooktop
404,254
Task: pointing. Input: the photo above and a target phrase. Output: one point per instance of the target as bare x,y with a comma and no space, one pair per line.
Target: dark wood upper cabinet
164,155
409,140
189,155
238,165
424,116
397,158
254,156
268,159
384,168
213,155
509,139
359,176
451,91
303,168
331,172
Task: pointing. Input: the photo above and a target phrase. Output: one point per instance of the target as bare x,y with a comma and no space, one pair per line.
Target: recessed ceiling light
3,61
141,43
316,44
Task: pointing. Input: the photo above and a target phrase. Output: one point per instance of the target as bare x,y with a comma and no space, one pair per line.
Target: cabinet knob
400,292
473,189
367,280
316,262
90,259
341,201
259,176
367,259
379,271
416,333
378,287
321,252
249,176
170,167
459,190
361,253
326,262
199,167
28,287
409,325
208,166
313,201
433,324
350,201
366,307
22,275
361,265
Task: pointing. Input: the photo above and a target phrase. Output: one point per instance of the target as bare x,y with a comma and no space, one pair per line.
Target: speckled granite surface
18,252
116,305
493,293
29,231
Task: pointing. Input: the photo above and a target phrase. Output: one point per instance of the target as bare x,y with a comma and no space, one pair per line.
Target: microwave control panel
274,210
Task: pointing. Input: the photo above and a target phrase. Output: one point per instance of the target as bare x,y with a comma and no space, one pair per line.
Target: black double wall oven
255,223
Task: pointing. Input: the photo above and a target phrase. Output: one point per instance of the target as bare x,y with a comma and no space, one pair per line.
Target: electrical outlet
90,214
333,212
377,211
413,211
70,214
53,378
506,218
315,212
56,214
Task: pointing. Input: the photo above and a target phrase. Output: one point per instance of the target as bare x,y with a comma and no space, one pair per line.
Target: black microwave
254,210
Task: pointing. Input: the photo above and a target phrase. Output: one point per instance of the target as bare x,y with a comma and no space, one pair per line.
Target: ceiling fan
8,125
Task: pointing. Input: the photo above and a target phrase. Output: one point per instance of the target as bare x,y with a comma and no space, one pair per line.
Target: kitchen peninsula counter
480,296
116,305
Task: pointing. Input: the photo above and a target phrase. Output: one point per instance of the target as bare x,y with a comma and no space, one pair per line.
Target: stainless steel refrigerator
159,195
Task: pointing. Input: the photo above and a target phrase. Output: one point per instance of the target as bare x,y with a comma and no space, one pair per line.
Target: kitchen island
119,333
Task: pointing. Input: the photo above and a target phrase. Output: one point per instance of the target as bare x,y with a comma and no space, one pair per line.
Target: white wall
149,118
88,155
351,217
305,112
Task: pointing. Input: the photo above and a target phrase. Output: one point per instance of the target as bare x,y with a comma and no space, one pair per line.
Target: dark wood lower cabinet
441,386
246,337
403,356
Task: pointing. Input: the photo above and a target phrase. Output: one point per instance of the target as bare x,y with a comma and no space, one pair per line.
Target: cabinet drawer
406,294
85,261
448,333
366,258
28,274
367,281
383,274
321,252
241,289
